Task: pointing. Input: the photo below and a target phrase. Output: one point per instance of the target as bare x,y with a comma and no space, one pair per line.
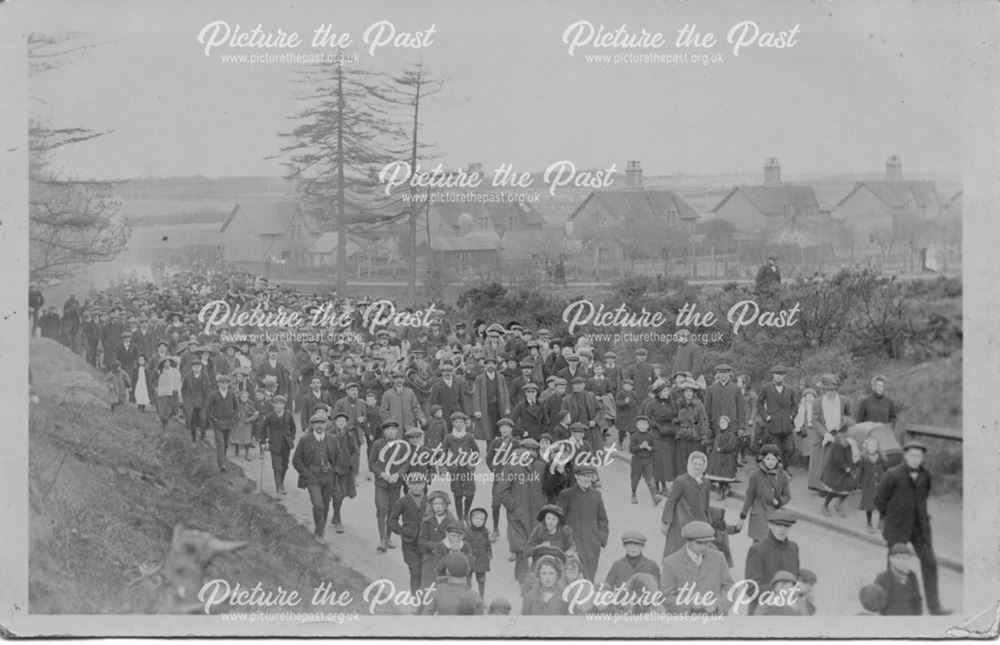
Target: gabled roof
633,205
500,212
265,217
327,243
775,199
895,194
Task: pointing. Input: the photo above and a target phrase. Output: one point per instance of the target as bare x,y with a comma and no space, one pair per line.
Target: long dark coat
870,474
838,473
763,490
520,492
902,504
527,419
819,453
307,460
687,502
661,415
726,400
586,516
780,406
431,534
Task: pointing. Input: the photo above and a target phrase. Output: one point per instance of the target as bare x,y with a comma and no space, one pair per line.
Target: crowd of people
427,403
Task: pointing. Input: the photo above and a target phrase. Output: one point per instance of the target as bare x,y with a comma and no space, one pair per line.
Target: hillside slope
107,489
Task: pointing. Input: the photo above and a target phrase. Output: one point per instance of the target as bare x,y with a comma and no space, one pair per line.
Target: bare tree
71,221
413,86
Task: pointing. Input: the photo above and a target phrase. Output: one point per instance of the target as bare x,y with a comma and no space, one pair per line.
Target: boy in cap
462,453
453,542
221,409
640,373
314,459
345,466
527,414
452,597
699,566
477,536
278,430
626,405
437,427
773,554
404,520
901,587
632,563
388,481
641,446
497,455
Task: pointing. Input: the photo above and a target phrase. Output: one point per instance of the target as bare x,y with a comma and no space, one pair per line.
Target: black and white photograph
500,319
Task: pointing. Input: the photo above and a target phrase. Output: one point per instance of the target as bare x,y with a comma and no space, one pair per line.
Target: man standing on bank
769,276
901,501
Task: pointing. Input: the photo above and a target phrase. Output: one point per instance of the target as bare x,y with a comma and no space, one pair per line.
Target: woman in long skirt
141,390
662,416
830,413
839,473
692,425
168,390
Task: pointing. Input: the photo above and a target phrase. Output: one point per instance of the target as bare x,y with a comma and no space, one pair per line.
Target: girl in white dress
141,391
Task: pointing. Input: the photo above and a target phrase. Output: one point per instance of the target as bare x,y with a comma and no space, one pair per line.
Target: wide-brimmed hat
829,382
555,510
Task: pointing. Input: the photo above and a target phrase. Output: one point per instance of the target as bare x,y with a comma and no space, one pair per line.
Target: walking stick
260,479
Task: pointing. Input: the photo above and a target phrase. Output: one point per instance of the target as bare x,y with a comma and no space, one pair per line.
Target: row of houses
476,233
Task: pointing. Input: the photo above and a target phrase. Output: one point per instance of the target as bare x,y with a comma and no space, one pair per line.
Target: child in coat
626,404
717,518
121,382
722,459
900,584
552,530
262,408
480,546
437,428
241,433
642,446
870,472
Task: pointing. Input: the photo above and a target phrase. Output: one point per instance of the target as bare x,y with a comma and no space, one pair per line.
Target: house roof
498,211
484,241
629,205
265,217
327,243
896,193
775,199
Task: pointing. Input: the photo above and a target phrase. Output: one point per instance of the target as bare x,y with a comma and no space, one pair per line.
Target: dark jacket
768,557
405,517
528,419
377,465
622,570
904,598
195,391
902,503
480,548
453,597
220,411
780,406
314,460
279,432
880,409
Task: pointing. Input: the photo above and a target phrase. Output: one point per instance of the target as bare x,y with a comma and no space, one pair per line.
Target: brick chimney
893,168
772,171
633,174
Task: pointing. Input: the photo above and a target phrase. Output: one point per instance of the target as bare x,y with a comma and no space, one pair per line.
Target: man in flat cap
640,373
314,397
723,398
195,390
688,357
584,408
632,563
901,500
345,466
701,567
220,412
776,407
128,355
773,554
587,517
768,276
315,458
520,492
273,367
491,401
400,404
278,430
388,480
528,414
449,393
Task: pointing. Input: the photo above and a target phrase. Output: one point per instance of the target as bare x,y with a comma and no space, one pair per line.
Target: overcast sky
864,80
